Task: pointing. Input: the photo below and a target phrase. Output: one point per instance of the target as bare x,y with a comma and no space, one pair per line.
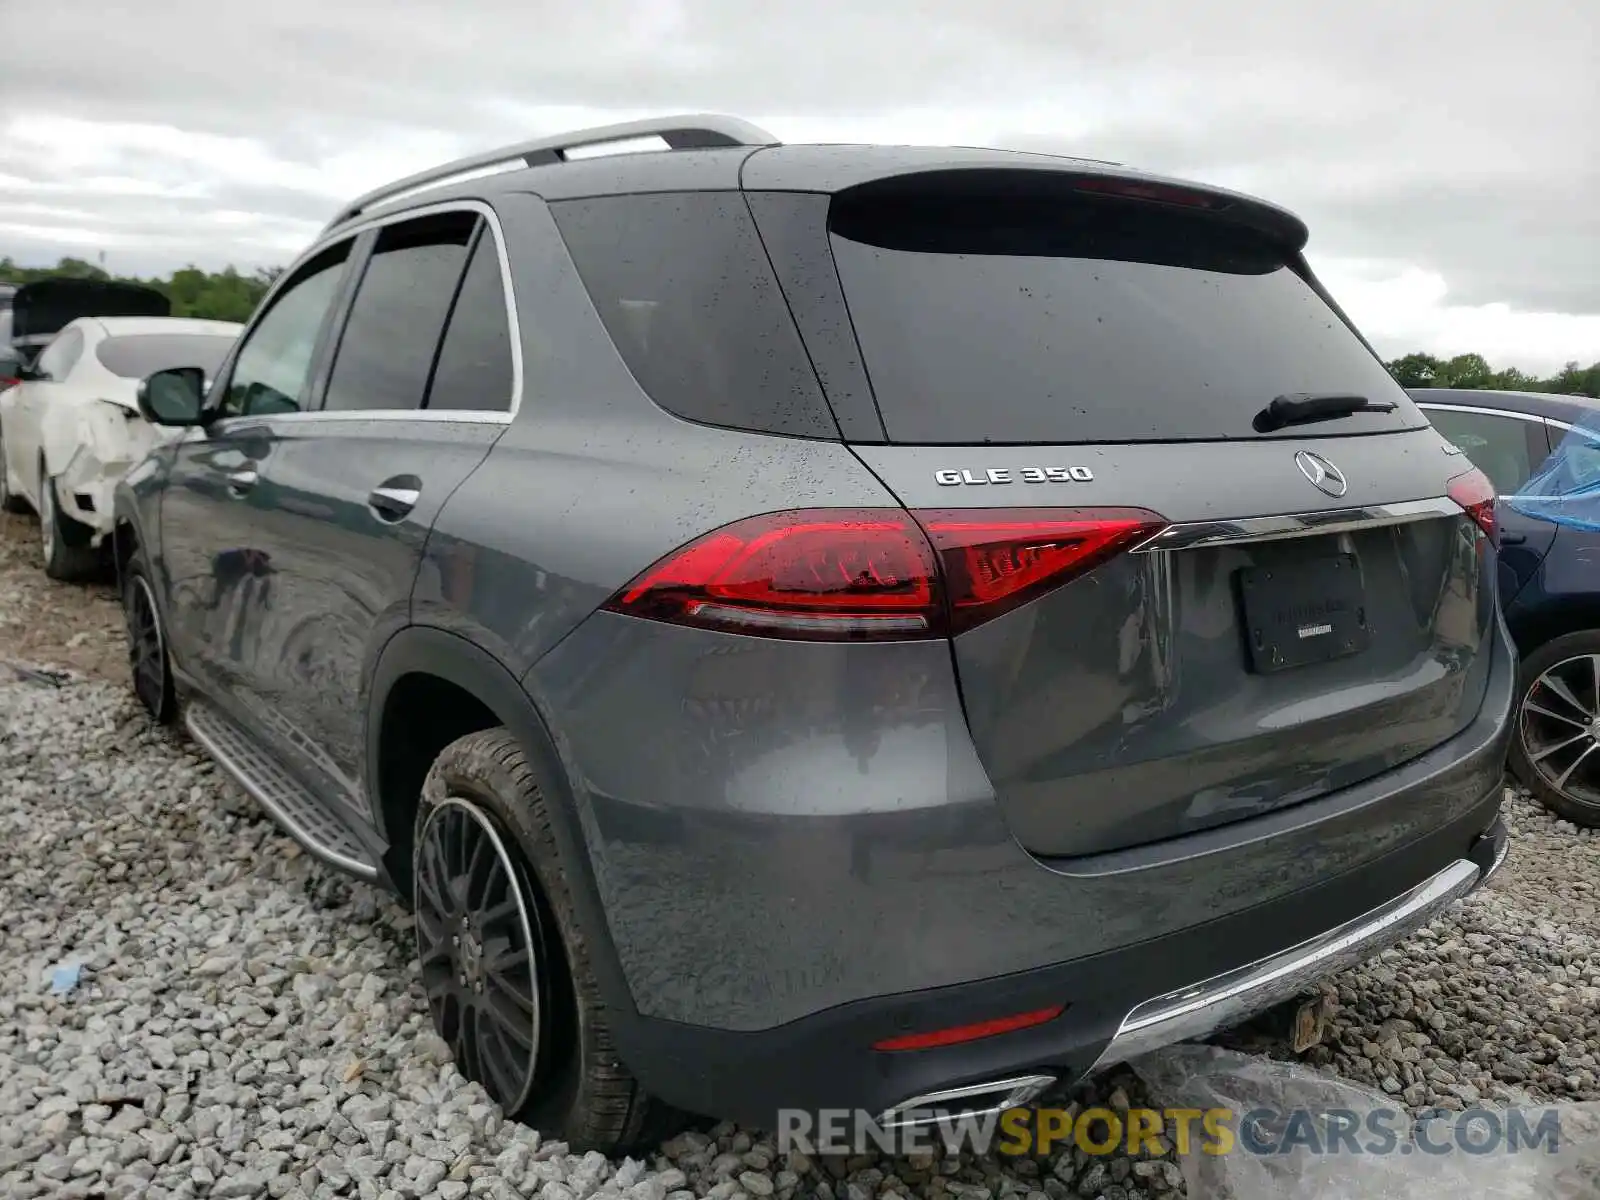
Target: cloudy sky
1446,153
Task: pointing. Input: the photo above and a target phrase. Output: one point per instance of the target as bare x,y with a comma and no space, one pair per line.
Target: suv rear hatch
1045,345
40,310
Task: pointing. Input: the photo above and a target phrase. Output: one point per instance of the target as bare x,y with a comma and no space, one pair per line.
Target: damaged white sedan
70,429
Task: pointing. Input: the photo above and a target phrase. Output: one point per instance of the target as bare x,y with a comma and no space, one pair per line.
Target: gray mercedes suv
827,626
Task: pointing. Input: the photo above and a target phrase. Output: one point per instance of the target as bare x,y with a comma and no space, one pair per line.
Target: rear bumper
757,954
1119,1004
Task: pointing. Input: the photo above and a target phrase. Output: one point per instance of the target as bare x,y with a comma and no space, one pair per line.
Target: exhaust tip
971,1100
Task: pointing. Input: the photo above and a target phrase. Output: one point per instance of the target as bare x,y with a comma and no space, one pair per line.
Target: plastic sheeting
1567,488
1312,1137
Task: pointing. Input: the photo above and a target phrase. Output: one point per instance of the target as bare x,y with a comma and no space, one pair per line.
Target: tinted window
474,367
138,355
687,294
1023,318
1497,446
61,355
387,349
273,366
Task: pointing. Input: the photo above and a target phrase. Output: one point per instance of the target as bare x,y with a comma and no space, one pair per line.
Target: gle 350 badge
954,478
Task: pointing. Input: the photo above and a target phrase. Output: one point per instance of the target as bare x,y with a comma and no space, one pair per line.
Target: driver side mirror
175,397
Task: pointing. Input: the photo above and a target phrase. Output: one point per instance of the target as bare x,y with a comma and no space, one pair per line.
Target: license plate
1303,613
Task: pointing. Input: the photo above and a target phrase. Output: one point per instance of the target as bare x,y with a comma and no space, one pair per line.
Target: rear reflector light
862,574
1473,491
957,1034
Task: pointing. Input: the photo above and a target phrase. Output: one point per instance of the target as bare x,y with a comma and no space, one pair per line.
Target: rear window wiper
1302,408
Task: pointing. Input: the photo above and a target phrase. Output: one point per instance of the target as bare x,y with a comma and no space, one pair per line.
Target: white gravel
245,1022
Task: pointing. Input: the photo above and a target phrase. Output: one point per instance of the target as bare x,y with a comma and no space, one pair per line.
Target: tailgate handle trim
1196,534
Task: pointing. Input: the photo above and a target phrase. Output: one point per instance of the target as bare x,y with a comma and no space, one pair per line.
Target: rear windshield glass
1023,319
138,355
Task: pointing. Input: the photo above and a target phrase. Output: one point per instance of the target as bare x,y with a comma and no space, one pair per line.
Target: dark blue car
1549,579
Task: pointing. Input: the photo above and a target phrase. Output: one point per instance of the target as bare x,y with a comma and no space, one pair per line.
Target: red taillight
997,559
1473,491
855,574
970,1033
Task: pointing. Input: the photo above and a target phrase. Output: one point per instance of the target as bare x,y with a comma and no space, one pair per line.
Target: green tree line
227,295
1472,371
224,295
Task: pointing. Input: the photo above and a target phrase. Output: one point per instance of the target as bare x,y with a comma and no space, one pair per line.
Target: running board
303,817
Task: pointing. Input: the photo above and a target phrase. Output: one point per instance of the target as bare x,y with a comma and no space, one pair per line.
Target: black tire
11,502
63,542
150,667
1574,661
580,1091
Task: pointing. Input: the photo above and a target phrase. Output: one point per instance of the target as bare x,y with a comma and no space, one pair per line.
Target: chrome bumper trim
928,1109
1500,856
1192,535
1229,998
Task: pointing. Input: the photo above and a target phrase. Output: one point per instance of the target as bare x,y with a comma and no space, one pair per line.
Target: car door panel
343,571
213,550
215,526
354,489
25,422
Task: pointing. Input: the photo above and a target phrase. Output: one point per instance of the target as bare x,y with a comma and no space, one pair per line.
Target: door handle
240,482
394,499
1513,539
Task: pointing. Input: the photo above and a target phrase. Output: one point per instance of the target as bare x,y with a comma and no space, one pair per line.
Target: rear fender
426,650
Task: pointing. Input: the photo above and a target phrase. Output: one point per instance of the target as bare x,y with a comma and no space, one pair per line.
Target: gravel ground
245,1022
62,623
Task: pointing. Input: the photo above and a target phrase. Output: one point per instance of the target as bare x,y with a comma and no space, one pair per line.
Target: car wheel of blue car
1556,752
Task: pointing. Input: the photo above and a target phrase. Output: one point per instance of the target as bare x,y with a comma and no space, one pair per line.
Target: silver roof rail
697,131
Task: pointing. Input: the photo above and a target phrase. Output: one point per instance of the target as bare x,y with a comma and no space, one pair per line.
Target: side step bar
303,817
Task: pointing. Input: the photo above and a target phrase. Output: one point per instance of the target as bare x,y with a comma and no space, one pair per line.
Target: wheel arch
437,654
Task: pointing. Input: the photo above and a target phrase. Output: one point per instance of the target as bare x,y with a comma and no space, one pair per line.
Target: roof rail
697,131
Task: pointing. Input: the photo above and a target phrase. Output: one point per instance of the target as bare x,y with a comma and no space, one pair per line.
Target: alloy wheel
1560,728
146,645
479,945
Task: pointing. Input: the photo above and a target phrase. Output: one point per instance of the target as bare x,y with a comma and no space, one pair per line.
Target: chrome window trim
466,416
1240,530
1512,414
1509,414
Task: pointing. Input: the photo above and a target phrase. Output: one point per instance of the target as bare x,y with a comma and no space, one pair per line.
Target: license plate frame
1305,613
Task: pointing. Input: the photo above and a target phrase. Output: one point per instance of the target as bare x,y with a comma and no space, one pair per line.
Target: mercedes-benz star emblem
1324,476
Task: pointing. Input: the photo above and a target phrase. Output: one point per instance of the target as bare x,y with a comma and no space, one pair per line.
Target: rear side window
1017,317
387,349
61,355
138,355
474,368
1506,449
687,294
